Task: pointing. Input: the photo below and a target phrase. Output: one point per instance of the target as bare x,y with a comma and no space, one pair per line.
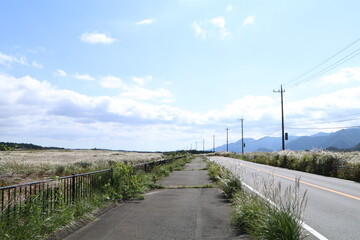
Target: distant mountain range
343,139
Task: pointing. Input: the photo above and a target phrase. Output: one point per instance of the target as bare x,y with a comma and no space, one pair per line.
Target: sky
165,75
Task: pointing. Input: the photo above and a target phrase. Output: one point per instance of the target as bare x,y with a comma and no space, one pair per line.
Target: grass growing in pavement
272,215
225,179
127,183
278,217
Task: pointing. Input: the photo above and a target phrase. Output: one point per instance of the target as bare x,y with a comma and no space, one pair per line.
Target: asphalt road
333,207
174,213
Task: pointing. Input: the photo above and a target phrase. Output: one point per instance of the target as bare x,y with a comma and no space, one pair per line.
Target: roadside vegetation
125,183
268,214
345,165
22,166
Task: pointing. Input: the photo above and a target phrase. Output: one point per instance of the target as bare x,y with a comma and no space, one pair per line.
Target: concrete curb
74,226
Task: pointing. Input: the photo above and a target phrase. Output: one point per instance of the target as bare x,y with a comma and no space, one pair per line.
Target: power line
322,63
326,127
343,120
267,135
327,69
328,118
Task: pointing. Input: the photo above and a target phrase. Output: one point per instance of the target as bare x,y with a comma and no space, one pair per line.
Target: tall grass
30,165
341,165
268,214
227,181
37,221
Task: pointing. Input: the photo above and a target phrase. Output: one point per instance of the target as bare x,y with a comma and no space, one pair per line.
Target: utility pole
242,134
282,116
227,139
203,145
214,143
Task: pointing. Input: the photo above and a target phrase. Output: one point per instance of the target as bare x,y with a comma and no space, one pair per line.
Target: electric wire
316,123
322,63
314,128
267,135
327,69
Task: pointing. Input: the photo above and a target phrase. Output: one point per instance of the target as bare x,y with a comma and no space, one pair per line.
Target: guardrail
48,194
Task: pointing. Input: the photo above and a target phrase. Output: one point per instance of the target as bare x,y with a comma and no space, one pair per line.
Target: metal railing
48,194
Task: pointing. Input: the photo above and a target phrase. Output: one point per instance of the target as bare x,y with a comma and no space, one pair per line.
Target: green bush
125,183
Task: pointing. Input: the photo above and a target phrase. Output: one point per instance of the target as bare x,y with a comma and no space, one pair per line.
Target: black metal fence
48,194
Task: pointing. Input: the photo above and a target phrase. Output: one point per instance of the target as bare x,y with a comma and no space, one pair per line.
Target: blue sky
163,75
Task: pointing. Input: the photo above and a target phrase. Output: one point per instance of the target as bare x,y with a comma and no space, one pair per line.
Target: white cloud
199,31
139,93
142,81
249,20
344,75
7,60
220,22
95,37
145,21
113,82
229,8
136,92
60,73
253,107
84,77
213,27
36,64
30,109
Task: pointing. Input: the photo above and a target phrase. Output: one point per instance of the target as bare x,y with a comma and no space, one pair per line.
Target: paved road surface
333,207
189,213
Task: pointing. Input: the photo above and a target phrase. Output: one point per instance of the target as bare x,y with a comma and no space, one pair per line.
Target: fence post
73,188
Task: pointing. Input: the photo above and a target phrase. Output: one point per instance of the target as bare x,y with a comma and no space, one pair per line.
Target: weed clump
124,183
268,215
229,183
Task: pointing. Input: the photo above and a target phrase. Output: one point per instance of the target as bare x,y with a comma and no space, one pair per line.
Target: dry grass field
25,166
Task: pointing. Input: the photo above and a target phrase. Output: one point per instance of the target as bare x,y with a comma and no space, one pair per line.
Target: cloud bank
32,109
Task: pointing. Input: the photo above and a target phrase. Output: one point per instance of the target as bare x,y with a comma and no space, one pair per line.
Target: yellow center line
307,183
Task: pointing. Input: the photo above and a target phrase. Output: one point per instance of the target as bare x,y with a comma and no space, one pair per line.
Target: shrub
125,183
59,170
